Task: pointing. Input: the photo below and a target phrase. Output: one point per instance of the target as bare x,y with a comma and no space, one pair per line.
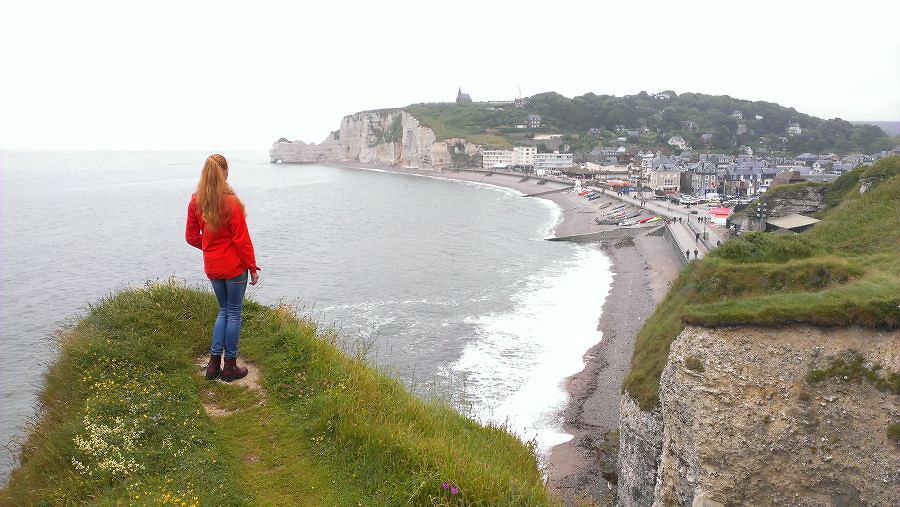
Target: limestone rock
392,138
750,430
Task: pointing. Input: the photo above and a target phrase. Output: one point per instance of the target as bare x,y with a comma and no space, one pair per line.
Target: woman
216,224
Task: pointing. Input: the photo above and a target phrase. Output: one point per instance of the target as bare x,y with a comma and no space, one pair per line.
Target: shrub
693,363
893,432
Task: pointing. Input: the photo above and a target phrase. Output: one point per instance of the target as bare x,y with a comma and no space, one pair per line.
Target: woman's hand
254,277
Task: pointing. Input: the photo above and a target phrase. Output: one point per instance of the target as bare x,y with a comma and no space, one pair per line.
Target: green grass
852,368
845,271
893,432
122,421
475,122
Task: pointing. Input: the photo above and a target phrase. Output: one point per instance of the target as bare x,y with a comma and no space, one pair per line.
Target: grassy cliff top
845,271
123,421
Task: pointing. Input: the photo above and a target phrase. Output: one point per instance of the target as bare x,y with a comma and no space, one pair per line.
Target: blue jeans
227,329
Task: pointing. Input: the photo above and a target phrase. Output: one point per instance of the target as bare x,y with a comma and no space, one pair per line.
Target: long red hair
212,191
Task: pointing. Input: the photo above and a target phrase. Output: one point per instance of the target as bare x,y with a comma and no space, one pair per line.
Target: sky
196,75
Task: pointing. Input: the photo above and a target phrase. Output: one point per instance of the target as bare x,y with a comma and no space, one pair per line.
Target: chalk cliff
393,138
739,422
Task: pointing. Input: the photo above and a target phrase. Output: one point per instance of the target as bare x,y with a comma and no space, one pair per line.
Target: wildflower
445,485
454,490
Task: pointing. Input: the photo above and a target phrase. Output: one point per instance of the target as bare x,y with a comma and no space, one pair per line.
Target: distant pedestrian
687,253
695,253
696,237
718,242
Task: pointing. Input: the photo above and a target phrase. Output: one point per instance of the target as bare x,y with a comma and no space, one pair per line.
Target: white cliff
740,423
393,138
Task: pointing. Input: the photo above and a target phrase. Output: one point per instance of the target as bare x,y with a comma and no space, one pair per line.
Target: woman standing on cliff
216,224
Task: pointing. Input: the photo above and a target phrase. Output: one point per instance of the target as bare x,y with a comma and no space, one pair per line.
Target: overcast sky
238,75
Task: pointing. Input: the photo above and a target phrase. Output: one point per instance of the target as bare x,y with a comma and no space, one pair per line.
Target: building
497,159
521,102
793,129
793,223
463,98
534,121
737,115
555,161
523,156
666,179
678,142
520,156
700,178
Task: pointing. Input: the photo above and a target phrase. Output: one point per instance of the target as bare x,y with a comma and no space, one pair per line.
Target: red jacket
227,250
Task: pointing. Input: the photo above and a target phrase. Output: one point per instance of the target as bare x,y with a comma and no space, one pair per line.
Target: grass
893,432
845,271
122,421
694,364
475,122
852,368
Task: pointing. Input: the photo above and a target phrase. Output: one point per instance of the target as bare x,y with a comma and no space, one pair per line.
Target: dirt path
218,397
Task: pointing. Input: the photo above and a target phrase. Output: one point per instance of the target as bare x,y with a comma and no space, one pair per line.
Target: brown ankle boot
214,368
232,371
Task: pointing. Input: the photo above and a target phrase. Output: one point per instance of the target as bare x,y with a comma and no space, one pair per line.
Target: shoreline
643,267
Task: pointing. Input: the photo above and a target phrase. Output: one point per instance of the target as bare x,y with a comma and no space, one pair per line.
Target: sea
449,286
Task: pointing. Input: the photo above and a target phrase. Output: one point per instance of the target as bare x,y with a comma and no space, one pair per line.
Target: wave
516,366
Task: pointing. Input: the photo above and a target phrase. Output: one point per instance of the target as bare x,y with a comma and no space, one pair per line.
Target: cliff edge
770,373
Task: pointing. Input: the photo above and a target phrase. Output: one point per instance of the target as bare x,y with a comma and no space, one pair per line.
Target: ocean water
450,283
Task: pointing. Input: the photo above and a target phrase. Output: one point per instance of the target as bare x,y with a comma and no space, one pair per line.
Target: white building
495,159
555,161
678,142
793,129
520,156
523,156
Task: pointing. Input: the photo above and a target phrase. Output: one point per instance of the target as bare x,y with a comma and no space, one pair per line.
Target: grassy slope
844,271
123,423
467,121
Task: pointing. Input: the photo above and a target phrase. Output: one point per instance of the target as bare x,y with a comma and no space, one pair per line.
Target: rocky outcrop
640,445
298,151
742,425
393,138
800,199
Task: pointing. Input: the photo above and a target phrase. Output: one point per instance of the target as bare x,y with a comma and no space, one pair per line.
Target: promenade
684,227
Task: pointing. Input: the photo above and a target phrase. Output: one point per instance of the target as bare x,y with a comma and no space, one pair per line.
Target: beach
643,267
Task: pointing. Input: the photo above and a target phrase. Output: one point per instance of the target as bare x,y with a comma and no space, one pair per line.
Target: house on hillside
793,129
534,121
737,115
678,142
521,102
463,98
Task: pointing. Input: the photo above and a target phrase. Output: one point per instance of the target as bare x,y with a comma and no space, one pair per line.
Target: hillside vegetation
845,271
663,115
122,421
